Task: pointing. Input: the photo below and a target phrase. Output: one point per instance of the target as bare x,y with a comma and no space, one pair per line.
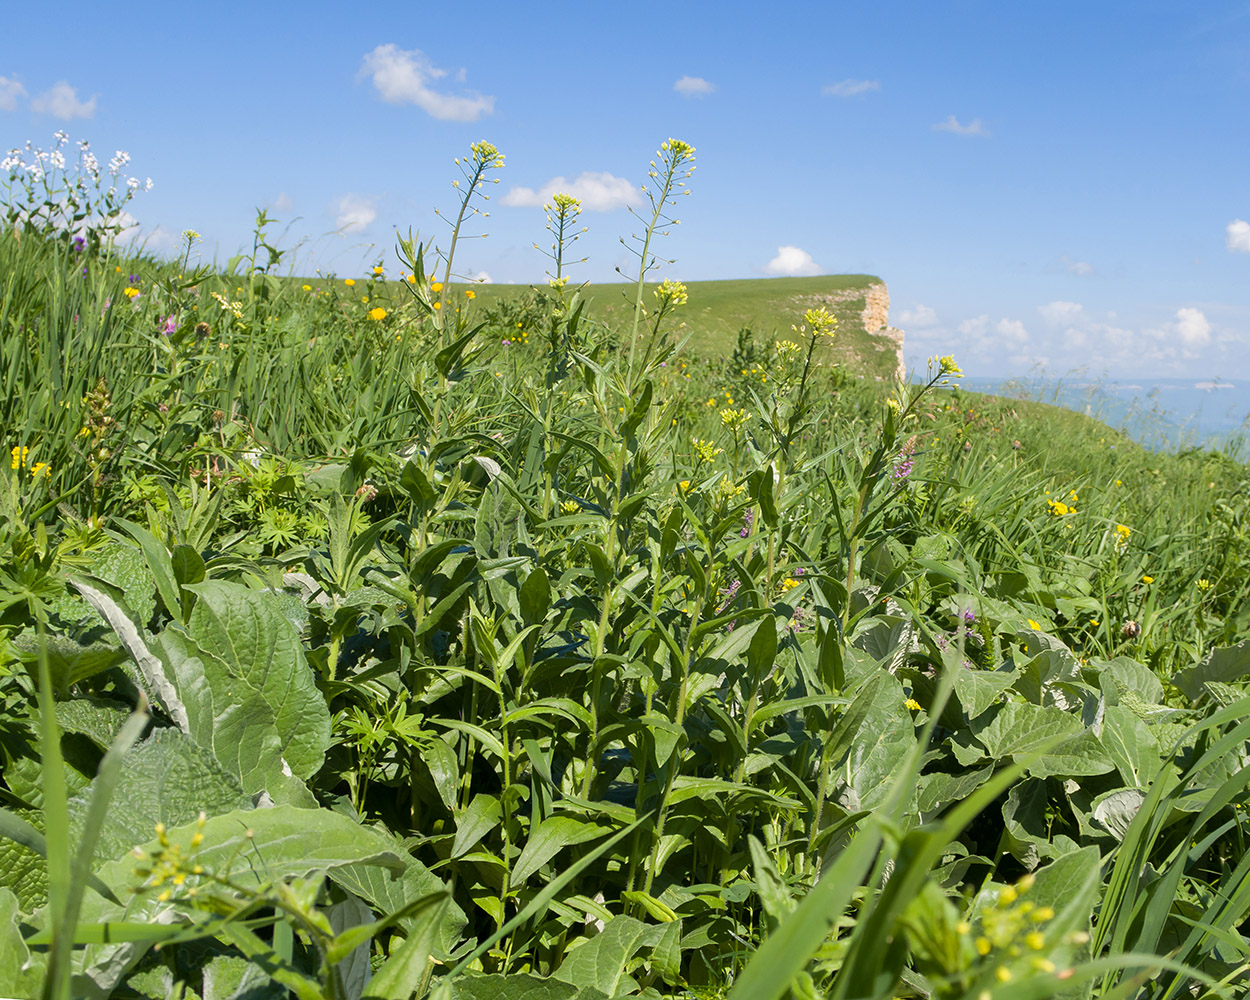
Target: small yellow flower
1002,974
789,583
19,456
983,946
1204,584
684,486
438,305
306,288
915,706
1147,579
411,279
735,420
947,366
1034,626
436,286
377,313
378,270
349,282
40,469
1035,940
570,507
130,292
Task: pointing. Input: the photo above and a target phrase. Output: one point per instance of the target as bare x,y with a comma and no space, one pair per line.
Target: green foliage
565,667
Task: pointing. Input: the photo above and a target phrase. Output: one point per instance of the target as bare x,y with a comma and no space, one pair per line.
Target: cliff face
876,317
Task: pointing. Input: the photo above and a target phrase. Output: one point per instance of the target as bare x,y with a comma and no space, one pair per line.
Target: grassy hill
717,310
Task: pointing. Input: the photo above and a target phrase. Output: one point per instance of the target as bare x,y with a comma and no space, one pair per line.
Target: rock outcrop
876,317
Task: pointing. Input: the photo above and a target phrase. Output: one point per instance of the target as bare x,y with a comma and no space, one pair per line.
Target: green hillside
717,310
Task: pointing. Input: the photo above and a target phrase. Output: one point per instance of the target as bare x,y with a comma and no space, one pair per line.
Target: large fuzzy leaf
20,973
1222,665
602,962
248,691
166,779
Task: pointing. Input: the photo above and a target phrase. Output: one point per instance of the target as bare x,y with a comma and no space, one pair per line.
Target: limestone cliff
876,318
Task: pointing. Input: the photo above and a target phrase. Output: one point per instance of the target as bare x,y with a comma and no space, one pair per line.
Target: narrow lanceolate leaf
249,694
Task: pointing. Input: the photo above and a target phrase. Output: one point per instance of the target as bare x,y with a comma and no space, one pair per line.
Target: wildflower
735,420
306,288
555,284
570,507
947,366
789,583
1130,629
377,313
684,486
169,325
130,292
469,293
1204,585
912,704
1147,579
19,457
1058,508
671,293
190,235
437,286
40,469
1034,625
377,270
410,278
349,282
1122,532
705,450
748,518
438,305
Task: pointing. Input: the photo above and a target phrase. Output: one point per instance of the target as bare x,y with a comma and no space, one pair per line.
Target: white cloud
10,91
849,88
481,277
693,86
952,124
1062,313
920,316
1193,328
354,212
1011,332
1078,267
599,191
282,203
1237,236
792,262
62,102
403,77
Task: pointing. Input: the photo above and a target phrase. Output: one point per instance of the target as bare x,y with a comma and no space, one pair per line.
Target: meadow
386,635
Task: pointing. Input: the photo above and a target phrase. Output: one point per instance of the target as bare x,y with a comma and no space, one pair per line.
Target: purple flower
970,616
134,279
902,470
748,518
79,244
169,325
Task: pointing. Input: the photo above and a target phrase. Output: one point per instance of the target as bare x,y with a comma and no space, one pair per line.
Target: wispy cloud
953,125
792,262
849,88
10,91
354,213
1078,267
61,101
404,77
599,191
1237,236
919,316
693,86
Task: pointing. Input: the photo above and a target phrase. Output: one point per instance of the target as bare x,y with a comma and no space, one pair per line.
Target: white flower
132,183
119,160
58,160
61,137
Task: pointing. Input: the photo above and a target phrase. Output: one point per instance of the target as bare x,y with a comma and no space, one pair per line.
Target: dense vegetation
361,639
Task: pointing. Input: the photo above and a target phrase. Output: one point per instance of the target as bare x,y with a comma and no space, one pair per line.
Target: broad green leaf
1130,676
517,986
1223,664
388,891
1024,822
248,692
480,816
1114,811
977,690
880,745
1019,729
602,961
167,778
1044,672
1131,746
70,661
21,973
551,836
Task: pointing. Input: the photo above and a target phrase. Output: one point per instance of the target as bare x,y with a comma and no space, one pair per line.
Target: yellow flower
130,292
436,286
1123,530
1147,579
570,507
438,305
684,486
306,288
789,583
915,706
671,293
40,469
377,313
378,270
1204,584
1034,626
1059,508
349,282
469,293
705,450
735,420
19,456
411,279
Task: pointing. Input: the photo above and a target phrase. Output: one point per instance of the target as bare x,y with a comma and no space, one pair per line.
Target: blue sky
1063,184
